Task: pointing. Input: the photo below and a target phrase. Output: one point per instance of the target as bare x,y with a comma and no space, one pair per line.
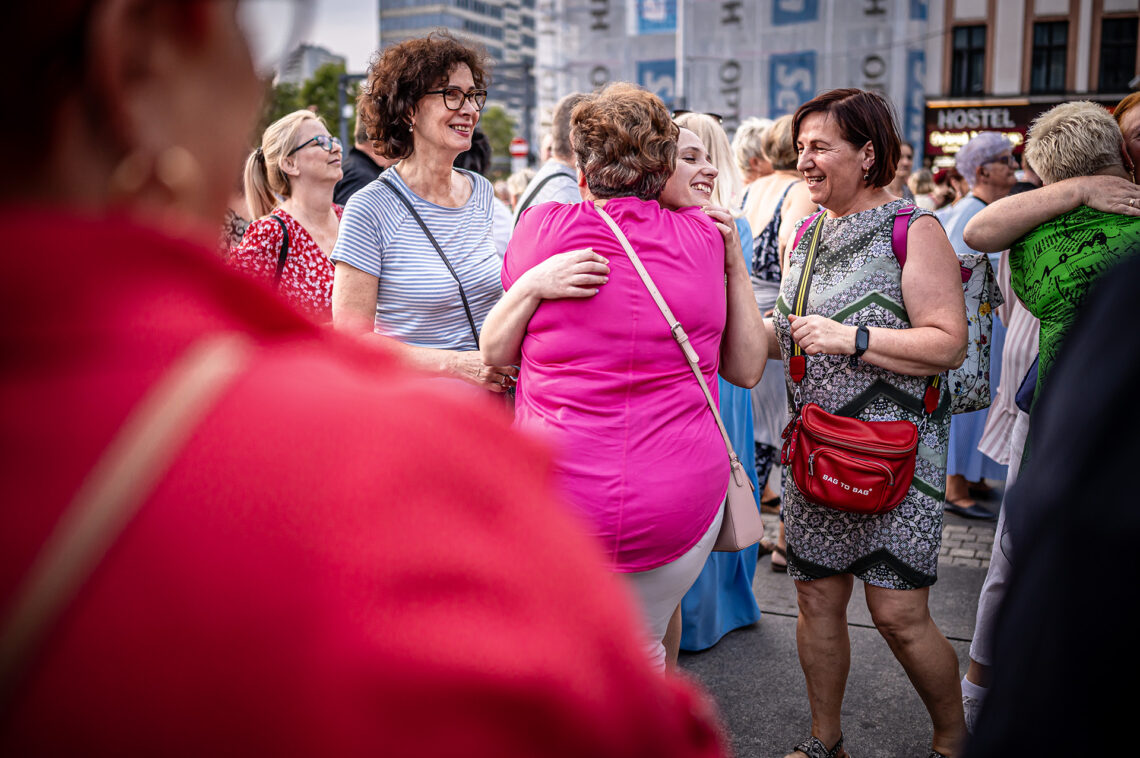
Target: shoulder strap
899,230
679,336
524,204
117,486
284,250
804,227
438,249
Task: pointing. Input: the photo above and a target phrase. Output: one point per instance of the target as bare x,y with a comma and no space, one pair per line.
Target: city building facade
303,62
506,29
997,66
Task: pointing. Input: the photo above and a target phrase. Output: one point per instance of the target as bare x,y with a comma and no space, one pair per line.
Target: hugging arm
1001,223
575,274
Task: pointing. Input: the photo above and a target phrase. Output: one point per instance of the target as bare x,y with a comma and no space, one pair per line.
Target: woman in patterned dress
915,328
298,161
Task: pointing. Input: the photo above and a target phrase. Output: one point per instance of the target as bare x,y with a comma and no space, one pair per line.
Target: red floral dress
306,280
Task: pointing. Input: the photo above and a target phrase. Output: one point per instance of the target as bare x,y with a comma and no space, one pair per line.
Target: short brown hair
624,141
400,77
862,117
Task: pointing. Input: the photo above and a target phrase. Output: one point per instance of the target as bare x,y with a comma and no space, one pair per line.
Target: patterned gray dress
857,280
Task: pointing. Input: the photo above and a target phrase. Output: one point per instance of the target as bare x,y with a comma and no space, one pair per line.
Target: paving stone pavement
969,542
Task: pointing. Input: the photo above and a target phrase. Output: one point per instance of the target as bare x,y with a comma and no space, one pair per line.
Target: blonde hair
517,182
265,182
746,143
921,182
779,147
728,182
1073,139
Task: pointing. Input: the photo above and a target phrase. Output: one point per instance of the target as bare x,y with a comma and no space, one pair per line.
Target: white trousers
997,576
660,590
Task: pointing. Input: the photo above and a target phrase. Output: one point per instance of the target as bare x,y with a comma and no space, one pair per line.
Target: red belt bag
848,464
841,462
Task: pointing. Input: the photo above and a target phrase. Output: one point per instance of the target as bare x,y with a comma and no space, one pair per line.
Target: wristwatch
862,340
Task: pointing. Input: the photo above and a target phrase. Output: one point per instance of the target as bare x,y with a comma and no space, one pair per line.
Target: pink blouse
637,451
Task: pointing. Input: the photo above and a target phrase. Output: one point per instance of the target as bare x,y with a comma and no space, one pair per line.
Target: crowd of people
413,446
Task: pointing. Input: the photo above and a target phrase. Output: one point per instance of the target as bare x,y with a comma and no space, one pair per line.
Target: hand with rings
469,365
1110,194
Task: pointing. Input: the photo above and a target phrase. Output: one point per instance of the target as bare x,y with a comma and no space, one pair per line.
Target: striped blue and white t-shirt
417,300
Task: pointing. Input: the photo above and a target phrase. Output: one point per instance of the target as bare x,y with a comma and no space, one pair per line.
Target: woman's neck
869,197
310,202
430,176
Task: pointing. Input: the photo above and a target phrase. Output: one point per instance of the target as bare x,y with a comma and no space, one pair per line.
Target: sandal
779,568
813,747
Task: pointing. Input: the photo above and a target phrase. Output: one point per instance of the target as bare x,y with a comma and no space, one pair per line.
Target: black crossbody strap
284,251
524,204
438,249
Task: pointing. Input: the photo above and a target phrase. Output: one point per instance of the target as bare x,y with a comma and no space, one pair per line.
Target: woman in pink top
638,453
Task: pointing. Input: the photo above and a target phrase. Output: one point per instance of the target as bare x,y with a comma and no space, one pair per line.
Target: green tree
499,127
319,91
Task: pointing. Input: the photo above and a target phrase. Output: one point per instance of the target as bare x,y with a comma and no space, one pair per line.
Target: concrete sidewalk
755,676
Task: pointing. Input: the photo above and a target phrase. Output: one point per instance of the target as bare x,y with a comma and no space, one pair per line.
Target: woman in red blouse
298,162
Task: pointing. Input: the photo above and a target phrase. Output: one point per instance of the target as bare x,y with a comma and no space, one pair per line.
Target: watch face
861,339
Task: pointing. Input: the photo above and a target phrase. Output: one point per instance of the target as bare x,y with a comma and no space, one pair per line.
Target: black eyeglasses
719,118
322,141
1008,160
453,97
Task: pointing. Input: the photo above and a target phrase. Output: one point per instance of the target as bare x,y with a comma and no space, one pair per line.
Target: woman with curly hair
639,455
416,257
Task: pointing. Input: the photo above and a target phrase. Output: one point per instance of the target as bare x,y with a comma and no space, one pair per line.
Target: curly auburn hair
400,77
624,141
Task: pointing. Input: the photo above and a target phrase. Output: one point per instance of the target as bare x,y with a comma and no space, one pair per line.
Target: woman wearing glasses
290,242
416,258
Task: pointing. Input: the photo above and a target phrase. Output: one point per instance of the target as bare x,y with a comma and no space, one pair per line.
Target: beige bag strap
680,337
132,464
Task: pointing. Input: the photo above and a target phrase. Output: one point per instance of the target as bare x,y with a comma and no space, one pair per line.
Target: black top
1062,639
359,171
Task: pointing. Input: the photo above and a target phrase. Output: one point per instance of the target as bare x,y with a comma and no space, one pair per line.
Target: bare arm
797,205
743,348
576,274
354,312
774,352
1003,222
932,289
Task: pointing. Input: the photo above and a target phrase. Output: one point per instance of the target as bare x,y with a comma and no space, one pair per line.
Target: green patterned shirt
1053,267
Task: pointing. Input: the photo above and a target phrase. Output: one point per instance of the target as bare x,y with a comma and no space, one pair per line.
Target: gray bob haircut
1073,139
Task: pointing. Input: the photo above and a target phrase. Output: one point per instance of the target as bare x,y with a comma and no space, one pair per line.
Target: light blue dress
722,599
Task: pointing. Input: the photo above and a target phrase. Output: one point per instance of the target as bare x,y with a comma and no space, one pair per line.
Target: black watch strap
862,342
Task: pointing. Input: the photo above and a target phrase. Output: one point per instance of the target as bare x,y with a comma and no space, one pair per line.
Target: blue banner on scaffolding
794,11
791,82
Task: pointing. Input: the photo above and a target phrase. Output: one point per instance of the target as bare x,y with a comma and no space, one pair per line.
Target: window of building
1117,54
968,65
1050,56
